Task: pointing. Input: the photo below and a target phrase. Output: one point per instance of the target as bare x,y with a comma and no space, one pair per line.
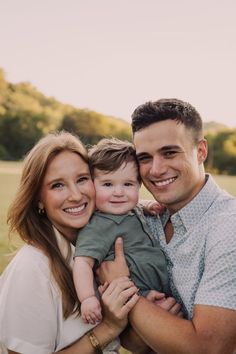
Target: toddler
117,182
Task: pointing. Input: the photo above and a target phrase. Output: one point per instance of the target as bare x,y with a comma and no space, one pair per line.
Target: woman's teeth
75,210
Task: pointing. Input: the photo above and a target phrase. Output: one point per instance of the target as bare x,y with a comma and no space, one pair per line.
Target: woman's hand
110,270
118,299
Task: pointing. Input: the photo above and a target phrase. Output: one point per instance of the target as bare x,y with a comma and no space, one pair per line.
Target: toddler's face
117,192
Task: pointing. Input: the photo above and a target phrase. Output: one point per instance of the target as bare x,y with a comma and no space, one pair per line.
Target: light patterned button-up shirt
201,255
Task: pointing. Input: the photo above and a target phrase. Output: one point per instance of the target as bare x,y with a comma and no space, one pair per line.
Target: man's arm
212,329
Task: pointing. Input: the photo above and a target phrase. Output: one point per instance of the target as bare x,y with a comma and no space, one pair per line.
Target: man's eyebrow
162,149
141,154
169,147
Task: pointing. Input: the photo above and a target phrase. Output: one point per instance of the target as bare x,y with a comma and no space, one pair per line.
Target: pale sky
112,55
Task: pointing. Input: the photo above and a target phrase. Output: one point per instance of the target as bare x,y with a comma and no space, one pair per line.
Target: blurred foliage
26,115
222,152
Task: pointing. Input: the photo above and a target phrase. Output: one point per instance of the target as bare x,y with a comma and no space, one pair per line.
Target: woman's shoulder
27,259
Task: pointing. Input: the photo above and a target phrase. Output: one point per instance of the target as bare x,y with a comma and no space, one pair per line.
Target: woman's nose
75,193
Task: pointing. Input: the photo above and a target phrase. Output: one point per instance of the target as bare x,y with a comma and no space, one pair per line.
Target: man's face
171,165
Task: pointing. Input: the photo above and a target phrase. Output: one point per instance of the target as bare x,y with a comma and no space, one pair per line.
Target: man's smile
164,182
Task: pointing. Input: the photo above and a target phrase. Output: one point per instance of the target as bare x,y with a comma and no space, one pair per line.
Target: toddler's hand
156,297
91,310
152,207
167,303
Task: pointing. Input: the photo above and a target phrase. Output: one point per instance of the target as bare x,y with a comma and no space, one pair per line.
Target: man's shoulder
224,205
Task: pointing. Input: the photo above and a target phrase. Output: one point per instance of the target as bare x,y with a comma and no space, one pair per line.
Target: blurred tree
3,91
91,126
222,152
18,134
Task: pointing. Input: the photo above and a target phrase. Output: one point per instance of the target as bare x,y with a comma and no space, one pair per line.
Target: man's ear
202,150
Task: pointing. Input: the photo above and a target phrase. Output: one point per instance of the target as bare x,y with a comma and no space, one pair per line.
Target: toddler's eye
107,184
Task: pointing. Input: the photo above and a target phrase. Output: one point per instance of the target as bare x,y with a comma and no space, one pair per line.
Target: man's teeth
75,210
165,182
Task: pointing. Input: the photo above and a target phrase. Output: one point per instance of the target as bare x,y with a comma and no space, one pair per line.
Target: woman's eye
82,179
57,185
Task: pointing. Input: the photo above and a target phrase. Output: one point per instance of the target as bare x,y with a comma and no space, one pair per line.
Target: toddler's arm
83,280
152,207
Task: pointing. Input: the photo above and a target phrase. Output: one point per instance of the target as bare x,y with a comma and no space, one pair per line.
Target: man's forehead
162,134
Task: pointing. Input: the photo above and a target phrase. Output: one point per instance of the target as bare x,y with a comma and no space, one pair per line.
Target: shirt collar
118,219
191,213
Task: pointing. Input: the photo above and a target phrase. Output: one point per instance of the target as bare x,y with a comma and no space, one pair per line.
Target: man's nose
158,166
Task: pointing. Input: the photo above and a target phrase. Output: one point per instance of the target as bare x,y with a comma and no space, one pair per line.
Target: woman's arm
117,300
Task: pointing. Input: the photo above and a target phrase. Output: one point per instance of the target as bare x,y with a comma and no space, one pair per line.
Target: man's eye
170,153
144,158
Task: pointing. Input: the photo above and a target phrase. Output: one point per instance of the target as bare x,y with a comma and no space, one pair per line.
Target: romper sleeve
96,239
28,305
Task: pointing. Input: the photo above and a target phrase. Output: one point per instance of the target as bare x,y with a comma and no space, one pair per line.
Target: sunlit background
111,56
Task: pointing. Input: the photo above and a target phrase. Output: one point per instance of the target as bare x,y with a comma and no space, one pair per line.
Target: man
197,233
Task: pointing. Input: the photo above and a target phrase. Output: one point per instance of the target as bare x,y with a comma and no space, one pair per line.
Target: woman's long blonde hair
23,216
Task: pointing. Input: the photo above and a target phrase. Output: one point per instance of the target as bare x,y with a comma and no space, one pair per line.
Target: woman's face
67,193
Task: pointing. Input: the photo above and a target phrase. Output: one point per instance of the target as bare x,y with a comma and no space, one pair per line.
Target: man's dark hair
110,154
167,108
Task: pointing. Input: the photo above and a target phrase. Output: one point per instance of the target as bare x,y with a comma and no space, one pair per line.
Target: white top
31,315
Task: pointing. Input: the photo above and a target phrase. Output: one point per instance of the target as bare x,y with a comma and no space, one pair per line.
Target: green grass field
9,178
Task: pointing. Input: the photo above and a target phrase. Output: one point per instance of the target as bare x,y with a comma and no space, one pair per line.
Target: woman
39,309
